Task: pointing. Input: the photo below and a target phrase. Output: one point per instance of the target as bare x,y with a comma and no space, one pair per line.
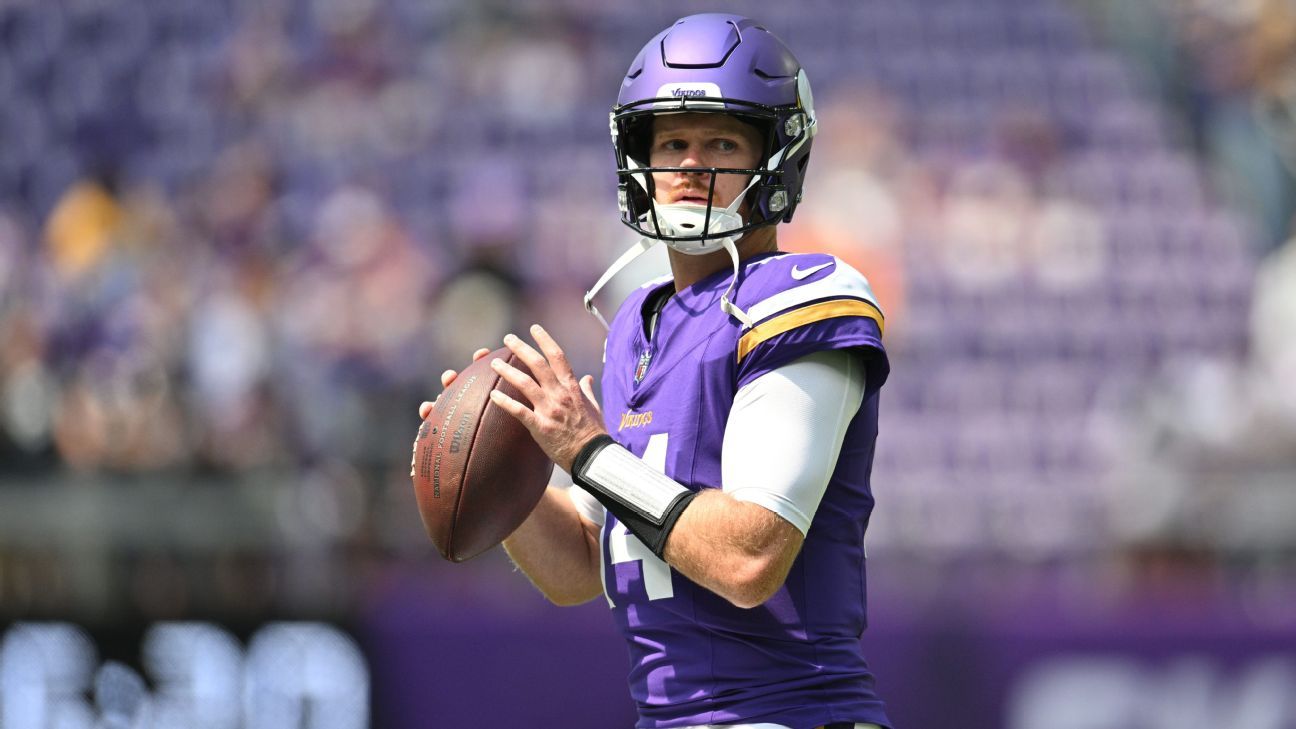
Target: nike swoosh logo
798,273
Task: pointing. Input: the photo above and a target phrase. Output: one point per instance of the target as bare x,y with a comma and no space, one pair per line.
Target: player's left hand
564,414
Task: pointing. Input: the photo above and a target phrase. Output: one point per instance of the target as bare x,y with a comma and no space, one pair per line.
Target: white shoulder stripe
843,281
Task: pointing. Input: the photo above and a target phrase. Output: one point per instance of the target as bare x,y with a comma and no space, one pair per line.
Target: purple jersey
695,658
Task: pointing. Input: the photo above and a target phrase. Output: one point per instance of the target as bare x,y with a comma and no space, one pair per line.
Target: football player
723,490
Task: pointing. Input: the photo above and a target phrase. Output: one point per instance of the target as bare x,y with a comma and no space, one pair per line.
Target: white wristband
645,500
619,474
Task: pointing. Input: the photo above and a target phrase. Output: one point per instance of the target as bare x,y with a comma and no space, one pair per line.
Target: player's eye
673,145
725,145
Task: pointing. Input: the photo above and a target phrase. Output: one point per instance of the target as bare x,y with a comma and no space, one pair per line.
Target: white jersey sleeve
785,432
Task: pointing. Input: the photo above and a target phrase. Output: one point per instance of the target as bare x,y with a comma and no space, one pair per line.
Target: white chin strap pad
687,219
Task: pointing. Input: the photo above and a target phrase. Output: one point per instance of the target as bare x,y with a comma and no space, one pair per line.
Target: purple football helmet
720,64
714,63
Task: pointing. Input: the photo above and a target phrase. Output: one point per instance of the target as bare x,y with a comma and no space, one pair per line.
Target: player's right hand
448,377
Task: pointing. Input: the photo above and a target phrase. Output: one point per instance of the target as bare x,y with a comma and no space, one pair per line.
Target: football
477,472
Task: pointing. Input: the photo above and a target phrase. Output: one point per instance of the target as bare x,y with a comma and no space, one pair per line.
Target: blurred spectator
81,228
986,211
1066,246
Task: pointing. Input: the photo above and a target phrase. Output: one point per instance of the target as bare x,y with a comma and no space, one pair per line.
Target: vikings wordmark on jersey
630,419
696,658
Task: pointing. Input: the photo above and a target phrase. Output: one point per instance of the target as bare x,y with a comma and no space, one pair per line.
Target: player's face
702,140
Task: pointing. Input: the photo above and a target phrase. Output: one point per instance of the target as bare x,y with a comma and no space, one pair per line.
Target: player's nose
691,160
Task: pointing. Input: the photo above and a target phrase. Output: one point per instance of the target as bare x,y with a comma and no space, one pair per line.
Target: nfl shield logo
642,369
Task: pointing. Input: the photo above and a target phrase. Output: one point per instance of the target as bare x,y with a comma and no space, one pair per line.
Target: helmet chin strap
726,305
633,252
675,219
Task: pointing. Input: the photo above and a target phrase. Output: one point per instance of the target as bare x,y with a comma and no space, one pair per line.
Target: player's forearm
738,550
557,551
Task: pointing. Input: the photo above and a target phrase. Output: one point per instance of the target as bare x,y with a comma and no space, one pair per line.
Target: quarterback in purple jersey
723,488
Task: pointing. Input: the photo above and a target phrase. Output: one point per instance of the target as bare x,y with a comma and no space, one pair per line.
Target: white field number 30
626,547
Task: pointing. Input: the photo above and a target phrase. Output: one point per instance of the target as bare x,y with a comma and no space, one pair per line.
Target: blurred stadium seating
239,241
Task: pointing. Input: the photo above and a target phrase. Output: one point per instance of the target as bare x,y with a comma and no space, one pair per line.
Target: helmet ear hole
638,133
640,202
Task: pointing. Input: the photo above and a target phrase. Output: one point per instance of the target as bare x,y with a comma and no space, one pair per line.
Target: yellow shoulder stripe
806,315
